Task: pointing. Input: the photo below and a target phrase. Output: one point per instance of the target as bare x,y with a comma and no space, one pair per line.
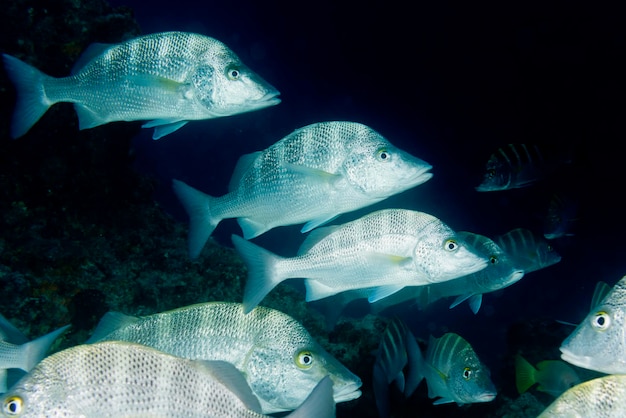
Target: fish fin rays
26,356
250,228
524,374
110,322
241,168
314,223
87,118
262,277
382,292
92,51
201,219
32,101
231,377
316,290
163,127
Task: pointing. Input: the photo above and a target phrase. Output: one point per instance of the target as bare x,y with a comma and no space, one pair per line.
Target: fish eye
601,320
467,373
233,73
304,359
451,245
493,259
383,154
491,172
13,405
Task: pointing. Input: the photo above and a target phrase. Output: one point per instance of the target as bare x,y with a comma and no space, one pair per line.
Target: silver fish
519,165
501,272
280,360
121,379
384,250
454,373
530,251
598,341
167,78
18,353
311,176
602,397
396,352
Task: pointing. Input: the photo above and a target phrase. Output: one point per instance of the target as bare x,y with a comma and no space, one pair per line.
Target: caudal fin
201,221
26,356
32,101
262,277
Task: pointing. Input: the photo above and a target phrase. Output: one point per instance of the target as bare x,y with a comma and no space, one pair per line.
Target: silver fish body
280,360
311,176
121,379
384,250
602,397
519,165
599,341
501,272
166,78
454,373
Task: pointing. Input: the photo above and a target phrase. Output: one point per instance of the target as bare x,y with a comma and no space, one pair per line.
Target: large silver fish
384,250
599,341
312,175
602,397
520,165
454,373
501,272
280,360
167,78
120,379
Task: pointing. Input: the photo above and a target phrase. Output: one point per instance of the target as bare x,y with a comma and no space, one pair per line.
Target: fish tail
32,101
524,374
27,355
262,277
319,403
202,222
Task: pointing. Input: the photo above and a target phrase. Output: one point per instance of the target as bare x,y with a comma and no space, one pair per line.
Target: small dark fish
561,217
519,165
529,251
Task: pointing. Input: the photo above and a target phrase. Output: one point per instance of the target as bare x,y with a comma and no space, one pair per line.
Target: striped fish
530,251
397,351
454,373
519,165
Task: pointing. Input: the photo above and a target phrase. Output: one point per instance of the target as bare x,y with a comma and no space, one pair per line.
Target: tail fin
319,403
32,101
262,276
201,221
524,374
27,355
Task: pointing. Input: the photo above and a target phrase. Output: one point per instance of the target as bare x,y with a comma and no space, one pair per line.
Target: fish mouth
347,392
580,361
487,397
421,175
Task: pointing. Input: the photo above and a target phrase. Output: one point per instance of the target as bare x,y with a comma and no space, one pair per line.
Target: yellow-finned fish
280,360
122,379
602,397
311,176
166,78
552,376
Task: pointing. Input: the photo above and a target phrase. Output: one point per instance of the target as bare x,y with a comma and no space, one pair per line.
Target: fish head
497,176
285,367
441,254
378,169
599,341
469,379
225,86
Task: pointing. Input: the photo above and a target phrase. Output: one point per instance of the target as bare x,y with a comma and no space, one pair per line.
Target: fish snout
345,390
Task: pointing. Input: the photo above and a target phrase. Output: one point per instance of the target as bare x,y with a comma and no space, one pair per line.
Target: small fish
530,251
397,351
597,343
553,376
311,176
501,272
121,379
17,352
384,250
562,216
454,373
280,360
167,78
602,397
519,165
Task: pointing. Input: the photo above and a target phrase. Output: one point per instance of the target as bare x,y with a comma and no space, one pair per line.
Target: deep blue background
449,82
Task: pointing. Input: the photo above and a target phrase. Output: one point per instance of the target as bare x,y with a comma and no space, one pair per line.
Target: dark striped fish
519,165
397,351
561,216
530,251
454,373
